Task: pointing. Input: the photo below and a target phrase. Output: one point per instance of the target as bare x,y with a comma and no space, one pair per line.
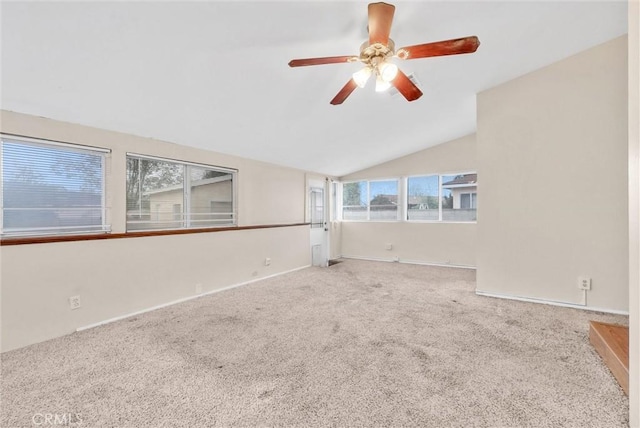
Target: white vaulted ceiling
214,75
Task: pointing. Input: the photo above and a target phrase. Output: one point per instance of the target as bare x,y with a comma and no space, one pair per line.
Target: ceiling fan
376,52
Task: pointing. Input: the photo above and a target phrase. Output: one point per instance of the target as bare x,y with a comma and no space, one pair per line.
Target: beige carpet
357,344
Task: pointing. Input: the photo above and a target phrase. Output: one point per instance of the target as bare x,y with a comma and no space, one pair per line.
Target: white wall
438,243
552,162
446,243
634,214
116,277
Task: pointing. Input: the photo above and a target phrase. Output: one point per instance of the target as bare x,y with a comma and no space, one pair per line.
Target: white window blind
51,188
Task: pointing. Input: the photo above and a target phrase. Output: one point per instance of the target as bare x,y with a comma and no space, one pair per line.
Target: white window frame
186,194
405,217
401,198
105,227
440,193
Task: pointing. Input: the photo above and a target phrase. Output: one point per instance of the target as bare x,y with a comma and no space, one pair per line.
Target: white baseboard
409,262
551,302
185,299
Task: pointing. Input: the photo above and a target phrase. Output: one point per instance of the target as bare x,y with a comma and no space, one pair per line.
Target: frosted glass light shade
361,76
388,71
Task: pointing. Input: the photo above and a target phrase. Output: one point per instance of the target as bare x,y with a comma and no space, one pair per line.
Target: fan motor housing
376,53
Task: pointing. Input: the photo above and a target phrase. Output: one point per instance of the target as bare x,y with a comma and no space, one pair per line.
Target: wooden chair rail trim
136,234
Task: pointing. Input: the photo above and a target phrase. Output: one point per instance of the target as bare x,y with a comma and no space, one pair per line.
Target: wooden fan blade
380,19
445,47
321,61
344,92
405,86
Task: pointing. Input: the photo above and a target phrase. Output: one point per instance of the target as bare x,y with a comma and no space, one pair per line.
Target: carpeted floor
357,344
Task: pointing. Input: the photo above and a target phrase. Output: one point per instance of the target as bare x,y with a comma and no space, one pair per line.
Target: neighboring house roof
462,181
193,184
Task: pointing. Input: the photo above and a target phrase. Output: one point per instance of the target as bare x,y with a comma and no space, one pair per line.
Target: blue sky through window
423,186
377,188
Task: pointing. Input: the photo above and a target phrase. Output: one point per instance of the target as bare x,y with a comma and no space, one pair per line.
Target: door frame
319,235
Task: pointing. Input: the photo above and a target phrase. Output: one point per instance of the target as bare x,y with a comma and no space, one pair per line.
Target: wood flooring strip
611,341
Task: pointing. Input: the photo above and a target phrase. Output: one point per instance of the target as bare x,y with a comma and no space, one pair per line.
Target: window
167,194
442,197
459,197
468,200
316,201
370,200
354,200
423,198
51,188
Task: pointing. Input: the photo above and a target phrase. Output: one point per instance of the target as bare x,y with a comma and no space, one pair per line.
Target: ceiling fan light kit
381,84
379,49
361,77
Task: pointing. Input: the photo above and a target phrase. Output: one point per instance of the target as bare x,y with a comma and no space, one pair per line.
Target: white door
319,227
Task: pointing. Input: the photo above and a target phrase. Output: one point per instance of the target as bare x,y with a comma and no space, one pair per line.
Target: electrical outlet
198,288
584,283
388,247
267,261
74,302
